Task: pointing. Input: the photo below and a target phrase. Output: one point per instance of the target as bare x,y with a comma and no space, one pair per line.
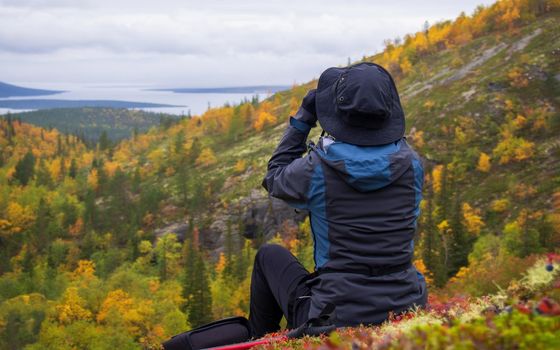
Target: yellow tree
461,32
518,78
421,267
438,34
484,164
420,42
445,233
72,307
263,119
18,218
120,309
206,158
111,167
54,169
406,66
222,287
85,270
472,219
510,13
418,139
437,174
240,166
513,148
92,179
500,205
294,105
524,150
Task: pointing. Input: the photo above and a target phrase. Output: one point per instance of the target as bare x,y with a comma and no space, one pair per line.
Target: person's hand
308,102
307,112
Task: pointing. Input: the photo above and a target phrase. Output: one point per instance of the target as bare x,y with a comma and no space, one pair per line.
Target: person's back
364,205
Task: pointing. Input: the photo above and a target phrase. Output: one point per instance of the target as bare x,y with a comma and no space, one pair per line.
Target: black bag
223,332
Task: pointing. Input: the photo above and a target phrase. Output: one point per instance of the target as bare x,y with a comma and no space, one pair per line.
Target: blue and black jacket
363,204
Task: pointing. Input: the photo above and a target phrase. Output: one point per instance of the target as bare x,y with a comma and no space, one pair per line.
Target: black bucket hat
360,105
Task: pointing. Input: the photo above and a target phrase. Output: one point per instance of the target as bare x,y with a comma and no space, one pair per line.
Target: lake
195,103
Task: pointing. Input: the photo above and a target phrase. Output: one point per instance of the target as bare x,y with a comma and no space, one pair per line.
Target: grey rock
467,68
496,86
523,42
256,216
178,228
264,215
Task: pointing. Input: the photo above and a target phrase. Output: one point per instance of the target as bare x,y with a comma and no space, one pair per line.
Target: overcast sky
200,43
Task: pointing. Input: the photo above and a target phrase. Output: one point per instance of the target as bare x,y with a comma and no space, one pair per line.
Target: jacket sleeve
289,175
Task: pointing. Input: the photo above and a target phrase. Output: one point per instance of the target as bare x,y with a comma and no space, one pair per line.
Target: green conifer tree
200,307
73,171
25,168
104,141
228,271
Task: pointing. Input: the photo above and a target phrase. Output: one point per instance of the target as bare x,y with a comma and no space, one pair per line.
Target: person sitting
361,185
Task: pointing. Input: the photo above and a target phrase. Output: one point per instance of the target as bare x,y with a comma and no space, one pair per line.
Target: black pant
276,290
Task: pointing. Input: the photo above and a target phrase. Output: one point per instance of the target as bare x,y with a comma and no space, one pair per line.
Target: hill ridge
9,90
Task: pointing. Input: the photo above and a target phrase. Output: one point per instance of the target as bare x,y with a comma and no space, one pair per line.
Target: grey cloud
273,40
184,30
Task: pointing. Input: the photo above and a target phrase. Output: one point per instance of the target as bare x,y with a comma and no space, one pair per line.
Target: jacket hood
366,168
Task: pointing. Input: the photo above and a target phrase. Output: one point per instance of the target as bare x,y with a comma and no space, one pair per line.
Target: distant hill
90,123
230,90
45,104
9,90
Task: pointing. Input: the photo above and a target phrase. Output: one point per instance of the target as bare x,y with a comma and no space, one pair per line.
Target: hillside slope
124,246
485,117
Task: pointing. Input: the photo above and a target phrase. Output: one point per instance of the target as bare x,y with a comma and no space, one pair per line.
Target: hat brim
330,117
